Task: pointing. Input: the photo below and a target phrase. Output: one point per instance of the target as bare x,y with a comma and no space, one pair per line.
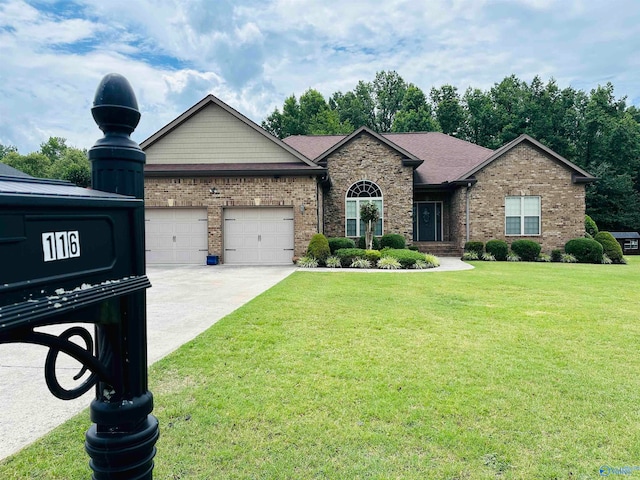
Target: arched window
361,192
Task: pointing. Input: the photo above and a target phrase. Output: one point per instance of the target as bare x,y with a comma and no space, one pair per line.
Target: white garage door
176,235
258,236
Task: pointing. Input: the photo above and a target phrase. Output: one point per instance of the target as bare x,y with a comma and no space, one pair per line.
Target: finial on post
117,162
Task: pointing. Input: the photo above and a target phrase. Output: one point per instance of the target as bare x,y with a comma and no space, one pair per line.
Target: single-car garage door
258,236
176,235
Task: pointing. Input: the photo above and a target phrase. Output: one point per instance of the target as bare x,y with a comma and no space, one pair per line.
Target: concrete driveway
183,302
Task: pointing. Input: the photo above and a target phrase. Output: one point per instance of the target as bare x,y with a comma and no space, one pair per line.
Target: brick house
216,183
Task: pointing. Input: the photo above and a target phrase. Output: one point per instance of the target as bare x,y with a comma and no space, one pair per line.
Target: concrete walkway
183,302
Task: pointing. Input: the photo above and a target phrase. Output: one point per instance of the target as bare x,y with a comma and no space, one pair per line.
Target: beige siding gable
213,136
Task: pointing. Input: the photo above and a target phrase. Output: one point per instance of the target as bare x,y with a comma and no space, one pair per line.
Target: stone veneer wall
524,170
237,192
365,158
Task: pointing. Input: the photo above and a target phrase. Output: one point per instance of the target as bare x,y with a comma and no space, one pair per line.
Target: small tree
370,215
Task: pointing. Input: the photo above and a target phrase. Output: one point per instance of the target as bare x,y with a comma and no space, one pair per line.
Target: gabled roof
579,175
213,100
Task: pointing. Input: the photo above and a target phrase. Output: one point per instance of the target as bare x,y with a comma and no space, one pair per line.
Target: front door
427,222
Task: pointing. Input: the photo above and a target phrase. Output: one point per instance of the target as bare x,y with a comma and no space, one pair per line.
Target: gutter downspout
467,210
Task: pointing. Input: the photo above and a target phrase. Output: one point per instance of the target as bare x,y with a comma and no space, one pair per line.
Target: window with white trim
522,215
361,192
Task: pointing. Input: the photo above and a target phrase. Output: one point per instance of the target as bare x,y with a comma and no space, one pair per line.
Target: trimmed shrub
477,247
372,255
362,243
389,263
590,226
393,240
336,243
556,255
585,250
527,250
498,248
414,248
348,255
319,247
610,246
406,257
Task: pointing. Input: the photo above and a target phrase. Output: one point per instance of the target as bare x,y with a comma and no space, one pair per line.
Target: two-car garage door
252,236
255,236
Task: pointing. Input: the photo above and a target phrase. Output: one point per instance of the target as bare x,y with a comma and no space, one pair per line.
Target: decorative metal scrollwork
84,355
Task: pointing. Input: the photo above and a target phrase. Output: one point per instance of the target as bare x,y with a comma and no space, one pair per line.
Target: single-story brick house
217,183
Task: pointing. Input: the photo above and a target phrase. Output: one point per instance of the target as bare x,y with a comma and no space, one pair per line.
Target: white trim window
359,193
522,215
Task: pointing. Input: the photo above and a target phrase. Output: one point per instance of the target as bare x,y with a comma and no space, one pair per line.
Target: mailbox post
77,255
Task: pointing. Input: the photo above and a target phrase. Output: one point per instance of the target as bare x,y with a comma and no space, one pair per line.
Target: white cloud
252,54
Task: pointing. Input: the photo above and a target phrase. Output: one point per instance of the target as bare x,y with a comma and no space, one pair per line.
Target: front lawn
510,370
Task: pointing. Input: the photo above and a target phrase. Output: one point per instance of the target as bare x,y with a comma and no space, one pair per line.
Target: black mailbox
72,254
64,248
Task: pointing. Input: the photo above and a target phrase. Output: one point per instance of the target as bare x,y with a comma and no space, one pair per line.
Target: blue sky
253,54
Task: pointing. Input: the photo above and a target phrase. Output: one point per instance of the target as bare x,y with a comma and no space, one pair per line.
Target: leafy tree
54,148
415,114
34,164
449,111
73,166
389,89
6,149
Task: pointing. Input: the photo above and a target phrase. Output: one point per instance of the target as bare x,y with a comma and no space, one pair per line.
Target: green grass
510,370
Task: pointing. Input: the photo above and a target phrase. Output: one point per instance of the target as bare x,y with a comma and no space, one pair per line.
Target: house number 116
60,245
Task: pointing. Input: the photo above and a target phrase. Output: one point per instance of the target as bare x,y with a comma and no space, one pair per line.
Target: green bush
610,246
590,226
373,256
393,240
498,248
527,250
362,243
414,248
406,257
348,255
336,243
585,250
432,260
319,247
477,247
556,255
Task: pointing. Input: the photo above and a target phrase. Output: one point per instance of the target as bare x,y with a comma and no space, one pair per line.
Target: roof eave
297,172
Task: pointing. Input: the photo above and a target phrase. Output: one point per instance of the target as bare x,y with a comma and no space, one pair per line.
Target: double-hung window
359,193
522,215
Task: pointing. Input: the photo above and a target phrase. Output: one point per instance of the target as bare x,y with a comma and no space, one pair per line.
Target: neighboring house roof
303,164
445,159
625,235
6,170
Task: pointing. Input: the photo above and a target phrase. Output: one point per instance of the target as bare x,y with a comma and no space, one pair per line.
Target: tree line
594,130
54,159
